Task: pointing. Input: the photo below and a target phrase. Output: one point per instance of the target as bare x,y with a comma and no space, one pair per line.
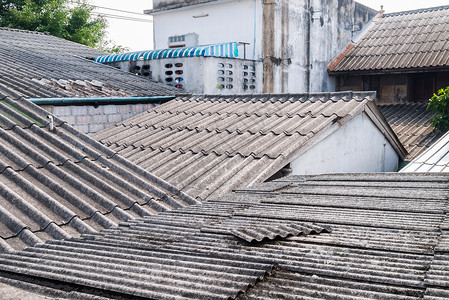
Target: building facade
294,40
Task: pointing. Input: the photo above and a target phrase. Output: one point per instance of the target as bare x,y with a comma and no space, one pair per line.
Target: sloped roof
37,65
434,159
377,236
400,41
209,145
411,123
59,184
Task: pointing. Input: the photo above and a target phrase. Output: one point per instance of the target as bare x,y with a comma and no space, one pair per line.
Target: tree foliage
74,23
439,104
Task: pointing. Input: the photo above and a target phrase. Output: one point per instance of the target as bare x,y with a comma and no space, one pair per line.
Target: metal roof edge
389,71
379,120
99,100
178,7
418,160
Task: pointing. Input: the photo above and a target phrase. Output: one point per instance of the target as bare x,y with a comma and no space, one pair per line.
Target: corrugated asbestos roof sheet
59,184
434,159
400,41
375,236
209,145
411,123
36,65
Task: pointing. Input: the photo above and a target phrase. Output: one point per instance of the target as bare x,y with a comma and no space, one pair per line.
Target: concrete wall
217,22
308,35
296,40
90,119
202,75
357,146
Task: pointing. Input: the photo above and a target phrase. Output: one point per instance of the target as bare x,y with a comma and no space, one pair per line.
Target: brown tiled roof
59,184
373,236
209,145
400,41
37,65
411,123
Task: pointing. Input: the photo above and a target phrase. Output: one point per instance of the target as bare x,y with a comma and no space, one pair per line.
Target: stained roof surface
36,65
59,184
209,145
411,123
359,236
434,159
399,41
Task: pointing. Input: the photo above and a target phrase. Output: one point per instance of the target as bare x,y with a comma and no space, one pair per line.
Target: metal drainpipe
309,29
98,100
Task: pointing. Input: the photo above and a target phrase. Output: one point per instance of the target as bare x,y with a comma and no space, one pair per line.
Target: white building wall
357,146
215,23
306,35
202,75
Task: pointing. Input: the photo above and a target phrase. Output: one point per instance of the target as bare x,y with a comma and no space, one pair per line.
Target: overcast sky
138,34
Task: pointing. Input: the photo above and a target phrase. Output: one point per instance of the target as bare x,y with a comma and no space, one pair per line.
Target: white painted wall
302,27
201,74
357,146
232,21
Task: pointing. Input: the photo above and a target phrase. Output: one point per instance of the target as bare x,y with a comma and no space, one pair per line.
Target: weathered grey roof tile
236,128
379,246
62,183
411,123
403,40
43,66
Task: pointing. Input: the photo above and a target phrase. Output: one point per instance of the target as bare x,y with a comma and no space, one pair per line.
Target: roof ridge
267,97
24,31
414,11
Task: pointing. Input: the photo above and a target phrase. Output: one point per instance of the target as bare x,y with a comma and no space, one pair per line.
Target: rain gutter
99,100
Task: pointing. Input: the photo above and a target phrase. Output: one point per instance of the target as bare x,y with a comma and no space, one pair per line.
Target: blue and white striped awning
219,50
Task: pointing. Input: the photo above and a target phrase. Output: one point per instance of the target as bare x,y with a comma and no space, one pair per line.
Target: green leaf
57,17
439,104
